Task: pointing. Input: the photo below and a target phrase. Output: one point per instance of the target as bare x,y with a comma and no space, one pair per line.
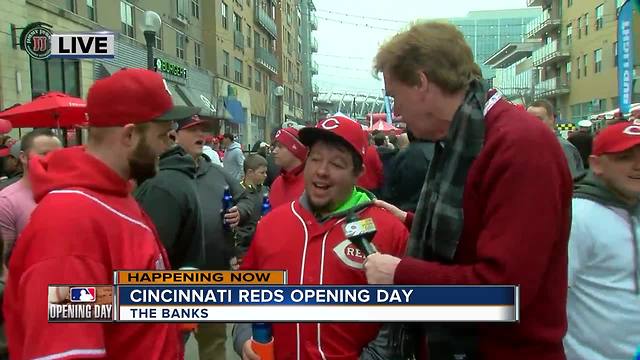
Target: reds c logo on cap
632,130
330,124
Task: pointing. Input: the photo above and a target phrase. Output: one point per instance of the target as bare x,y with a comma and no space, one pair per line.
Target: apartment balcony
238,39
267,59
314,68
314,21
550,54
545,23
552,87
264,20
535,2
314,45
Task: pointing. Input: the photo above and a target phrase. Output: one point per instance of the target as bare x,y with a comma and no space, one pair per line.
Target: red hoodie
373,172
86,225
517,200
287,187
317,253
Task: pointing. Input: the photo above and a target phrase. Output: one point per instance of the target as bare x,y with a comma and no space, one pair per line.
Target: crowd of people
477,191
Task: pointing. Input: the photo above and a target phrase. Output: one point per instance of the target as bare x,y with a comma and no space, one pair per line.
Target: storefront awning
198,99
235,110
175,95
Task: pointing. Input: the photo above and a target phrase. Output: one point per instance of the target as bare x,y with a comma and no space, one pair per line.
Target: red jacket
373,170
517,200
328,258
287,187
86,225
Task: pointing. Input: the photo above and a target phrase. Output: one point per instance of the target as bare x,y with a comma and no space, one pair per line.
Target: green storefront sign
169,68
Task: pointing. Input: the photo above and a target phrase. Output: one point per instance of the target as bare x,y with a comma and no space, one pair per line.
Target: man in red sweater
495,208
289,154
87,225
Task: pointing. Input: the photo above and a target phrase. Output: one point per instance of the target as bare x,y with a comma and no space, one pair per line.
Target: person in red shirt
314,250
86,225
496,204
373,175
289,154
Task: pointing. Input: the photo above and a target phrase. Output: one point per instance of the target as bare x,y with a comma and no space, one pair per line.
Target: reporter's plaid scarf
438,221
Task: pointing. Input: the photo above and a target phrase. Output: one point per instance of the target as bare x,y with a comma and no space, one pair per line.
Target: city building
577,62
488,31
309,67
514,73
220,55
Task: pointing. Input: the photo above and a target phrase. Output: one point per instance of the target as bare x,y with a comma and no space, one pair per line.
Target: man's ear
423,84
129,137
595,164
24,159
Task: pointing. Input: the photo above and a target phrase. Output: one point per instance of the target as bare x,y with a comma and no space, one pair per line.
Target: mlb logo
82,294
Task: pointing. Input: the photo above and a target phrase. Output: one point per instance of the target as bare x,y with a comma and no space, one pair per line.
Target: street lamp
279,92
150,27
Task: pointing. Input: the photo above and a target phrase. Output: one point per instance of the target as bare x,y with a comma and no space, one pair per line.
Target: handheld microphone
360,232
262,340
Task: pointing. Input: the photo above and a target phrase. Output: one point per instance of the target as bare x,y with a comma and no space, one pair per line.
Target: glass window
71,70
258,80
126,19
579,27
584,64
38,77
159,39
195,8
578,67
597,58
249,32
599,17
586,24
71,6
615,54
569,33
181,9
568,70
237,20
223,11
55,75
237,75
180,45
56,79
197,54
256,39
225,64
91,10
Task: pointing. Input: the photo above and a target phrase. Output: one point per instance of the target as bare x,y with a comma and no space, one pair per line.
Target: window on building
55,75
225,64
265,82
197,54
568,70
578,67
256,39
71,5
579,27
615,54
584,64
569,3
599,17
289,42
223,11
126,19
237,70
91,10
569,33
258,80
249,75
249,32
237,21
299,46
180,40
597,59
195,8
586,24
181,9
158,42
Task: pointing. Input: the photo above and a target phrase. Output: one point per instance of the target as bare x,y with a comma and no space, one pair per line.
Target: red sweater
287,187
373,171
315,253
517,200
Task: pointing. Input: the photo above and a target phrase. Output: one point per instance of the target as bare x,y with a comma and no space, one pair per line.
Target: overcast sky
347,43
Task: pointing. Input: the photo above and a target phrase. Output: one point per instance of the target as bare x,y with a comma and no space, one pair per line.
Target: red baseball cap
5,126
191,122
338,126
289,138
617,138
132,96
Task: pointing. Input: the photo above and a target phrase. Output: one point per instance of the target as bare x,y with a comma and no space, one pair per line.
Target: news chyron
80,303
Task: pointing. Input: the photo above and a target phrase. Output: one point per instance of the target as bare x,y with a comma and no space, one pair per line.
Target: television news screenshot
320,180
